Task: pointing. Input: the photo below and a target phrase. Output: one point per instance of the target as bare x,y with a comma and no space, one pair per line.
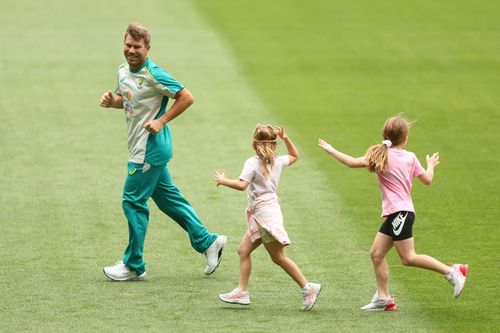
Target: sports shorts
398,225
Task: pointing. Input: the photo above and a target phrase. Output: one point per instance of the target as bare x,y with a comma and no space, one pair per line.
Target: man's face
135,51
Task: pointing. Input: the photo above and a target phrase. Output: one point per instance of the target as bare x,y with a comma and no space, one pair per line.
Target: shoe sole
388,307
234,301
219,256
315,300
137,278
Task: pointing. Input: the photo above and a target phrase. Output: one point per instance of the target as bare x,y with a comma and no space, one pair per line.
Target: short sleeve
248,171
118,91
418,170
165,83
284,160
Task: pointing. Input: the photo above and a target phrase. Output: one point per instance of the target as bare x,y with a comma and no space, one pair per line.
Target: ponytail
394,133
376,158
264,143
266,152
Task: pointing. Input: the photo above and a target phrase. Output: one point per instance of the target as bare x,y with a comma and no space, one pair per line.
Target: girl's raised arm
293,154
428,175
351,162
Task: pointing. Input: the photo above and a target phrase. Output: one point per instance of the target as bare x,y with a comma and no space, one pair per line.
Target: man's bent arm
108,100
183,100
118,102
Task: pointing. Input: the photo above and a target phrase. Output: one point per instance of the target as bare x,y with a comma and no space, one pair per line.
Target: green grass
339,70
323,69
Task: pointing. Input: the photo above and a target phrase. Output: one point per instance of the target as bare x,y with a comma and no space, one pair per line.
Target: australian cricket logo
140,83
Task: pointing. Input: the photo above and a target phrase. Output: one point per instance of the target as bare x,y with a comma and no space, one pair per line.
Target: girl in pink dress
260,177
395,169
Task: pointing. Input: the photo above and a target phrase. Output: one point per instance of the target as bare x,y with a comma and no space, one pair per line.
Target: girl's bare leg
277,253
406,251
244,250
381,245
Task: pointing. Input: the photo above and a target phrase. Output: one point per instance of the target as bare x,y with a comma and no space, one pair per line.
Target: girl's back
396,183
258,183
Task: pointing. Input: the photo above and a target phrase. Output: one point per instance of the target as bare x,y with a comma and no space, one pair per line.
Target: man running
143,92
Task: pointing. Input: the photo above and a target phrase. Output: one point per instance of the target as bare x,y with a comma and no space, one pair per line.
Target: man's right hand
107,100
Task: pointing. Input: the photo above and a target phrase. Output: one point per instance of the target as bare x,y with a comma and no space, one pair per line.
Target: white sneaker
457,278
310,293
120,272
213,254
380,304
236,297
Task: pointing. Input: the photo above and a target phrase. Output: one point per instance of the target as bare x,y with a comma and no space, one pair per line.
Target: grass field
329,69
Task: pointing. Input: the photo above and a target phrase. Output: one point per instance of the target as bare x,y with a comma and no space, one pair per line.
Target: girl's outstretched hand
219,176
432,160
325,145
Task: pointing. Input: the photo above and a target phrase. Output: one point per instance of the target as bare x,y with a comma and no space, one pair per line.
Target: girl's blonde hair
264,143
396,130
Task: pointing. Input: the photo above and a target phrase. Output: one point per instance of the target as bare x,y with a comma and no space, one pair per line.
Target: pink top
395,184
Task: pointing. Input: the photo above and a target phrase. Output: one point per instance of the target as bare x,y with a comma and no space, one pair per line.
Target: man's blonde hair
139,32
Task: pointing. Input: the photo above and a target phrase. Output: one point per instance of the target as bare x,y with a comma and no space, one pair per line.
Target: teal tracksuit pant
155,182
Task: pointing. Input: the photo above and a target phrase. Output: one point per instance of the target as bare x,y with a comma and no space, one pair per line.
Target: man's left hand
154,126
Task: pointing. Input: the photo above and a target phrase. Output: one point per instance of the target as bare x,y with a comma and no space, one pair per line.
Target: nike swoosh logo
398,223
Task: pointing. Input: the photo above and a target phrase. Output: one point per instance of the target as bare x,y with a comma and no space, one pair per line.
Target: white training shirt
146,93
258,184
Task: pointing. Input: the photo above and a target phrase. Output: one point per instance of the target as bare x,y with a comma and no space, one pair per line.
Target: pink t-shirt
395,184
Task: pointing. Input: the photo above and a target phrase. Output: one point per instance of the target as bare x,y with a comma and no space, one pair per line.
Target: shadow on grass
236,307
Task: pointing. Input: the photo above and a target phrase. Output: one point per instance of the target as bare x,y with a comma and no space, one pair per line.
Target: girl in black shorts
395,169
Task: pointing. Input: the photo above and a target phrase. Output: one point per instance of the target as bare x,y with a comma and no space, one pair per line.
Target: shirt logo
140,83
398,223
128,105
